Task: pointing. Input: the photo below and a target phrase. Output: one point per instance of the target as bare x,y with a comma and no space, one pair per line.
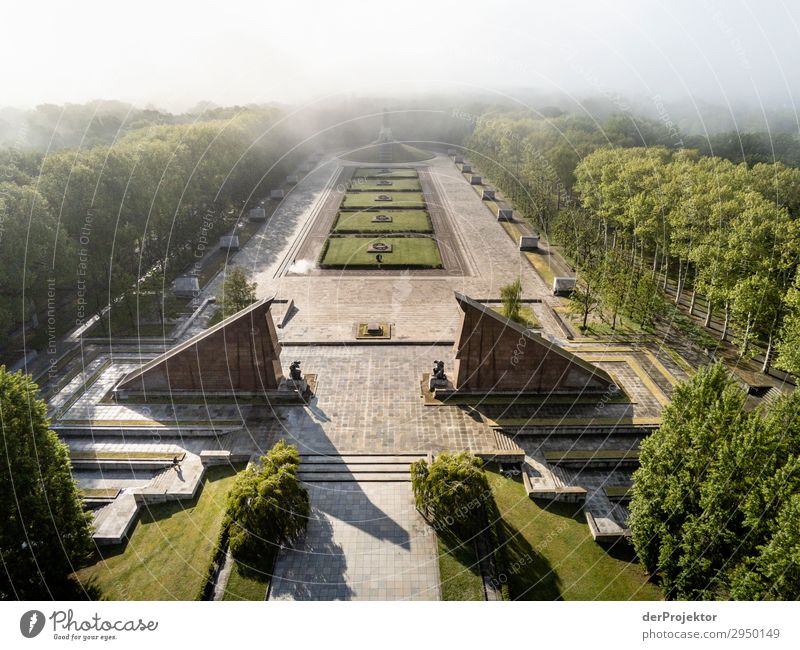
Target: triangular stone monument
496,354
242,353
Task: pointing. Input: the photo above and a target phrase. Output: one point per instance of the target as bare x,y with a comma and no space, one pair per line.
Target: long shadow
314,569
621,549
71,589
530,576
308,434
462,551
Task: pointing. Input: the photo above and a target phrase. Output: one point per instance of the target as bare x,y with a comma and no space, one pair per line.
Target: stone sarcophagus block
563,286
257,214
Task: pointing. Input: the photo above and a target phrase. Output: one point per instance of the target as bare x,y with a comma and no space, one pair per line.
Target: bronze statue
294,371
438,370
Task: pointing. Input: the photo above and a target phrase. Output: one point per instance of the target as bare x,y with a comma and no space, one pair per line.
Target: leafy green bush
510,295
267,507
452,492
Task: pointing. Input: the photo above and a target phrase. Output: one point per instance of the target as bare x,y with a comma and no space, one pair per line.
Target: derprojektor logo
31,623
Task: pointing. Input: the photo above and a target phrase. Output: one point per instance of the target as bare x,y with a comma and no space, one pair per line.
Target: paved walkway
420,308
364,542
368,399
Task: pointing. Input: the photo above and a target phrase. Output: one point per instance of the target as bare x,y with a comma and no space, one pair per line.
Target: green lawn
362,184
386,172
527,317
596,327
458,570
246,584
341,252
370,200
169,549
402,221
550,554
401,153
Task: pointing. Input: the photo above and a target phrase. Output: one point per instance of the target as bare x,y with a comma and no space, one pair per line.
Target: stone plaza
370,411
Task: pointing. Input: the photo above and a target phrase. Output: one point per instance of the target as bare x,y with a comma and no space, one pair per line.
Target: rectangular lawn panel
167,553
394,172
361,184
344,252
402,221
371,200
556,556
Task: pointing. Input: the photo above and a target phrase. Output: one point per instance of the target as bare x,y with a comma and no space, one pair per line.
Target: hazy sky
174,54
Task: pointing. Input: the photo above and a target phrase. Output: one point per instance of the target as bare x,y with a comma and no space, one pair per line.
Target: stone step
112,522
560,479
145,431
109,464
361,459
355,468
354,477
344,468
505,442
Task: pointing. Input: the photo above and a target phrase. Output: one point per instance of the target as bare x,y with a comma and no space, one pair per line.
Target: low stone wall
504,456
210,457
606,536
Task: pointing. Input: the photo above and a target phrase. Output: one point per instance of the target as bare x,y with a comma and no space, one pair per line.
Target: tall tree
789,347
237,292
714,496
46,533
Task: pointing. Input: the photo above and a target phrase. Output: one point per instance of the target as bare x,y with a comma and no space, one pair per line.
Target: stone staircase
545,481
505,442
356,468
560,478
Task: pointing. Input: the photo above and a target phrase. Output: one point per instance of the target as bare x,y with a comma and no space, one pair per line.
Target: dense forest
84,227
723,230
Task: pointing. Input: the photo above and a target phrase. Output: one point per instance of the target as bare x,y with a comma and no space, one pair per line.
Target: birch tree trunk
679,288
694,294
727,320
